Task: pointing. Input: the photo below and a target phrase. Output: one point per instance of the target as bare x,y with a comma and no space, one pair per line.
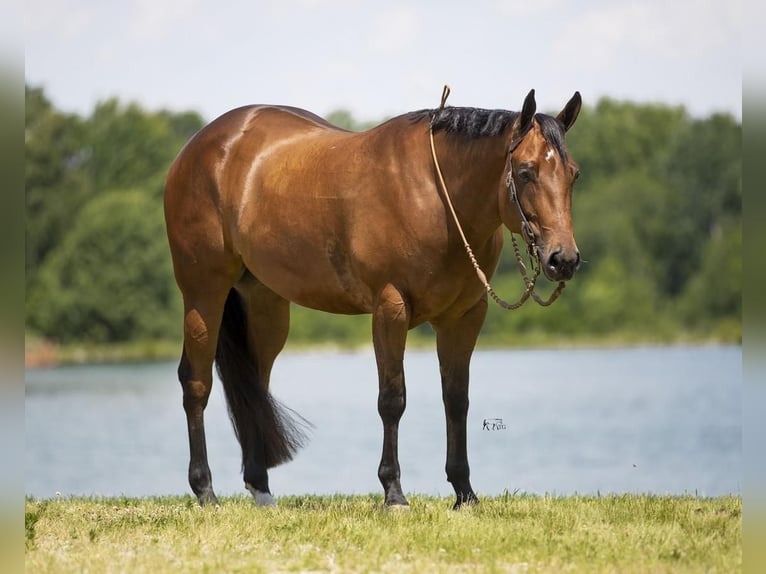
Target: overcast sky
385,57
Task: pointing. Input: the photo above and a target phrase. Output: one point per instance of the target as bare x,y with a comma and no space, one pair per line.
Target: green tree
714,293
55,181
703,171
129,146
614,136
111,279
79,235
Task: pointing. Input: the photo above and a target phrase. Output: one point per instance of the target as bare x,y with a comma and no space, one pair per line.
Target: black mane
474,123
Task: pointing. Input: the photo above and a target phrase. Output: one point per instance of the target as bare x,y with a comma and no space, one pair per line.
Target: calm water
662,420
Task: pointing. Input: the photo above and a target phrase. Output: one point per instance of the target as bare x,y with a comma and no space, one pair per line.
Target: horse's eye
526,175
576,175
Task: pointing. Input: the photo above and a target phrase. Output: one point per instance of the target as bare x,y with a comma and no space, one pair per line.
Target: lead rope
534,256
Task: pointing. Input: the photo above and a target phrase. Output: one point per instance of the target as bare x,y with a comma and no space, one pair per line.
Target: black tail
257,417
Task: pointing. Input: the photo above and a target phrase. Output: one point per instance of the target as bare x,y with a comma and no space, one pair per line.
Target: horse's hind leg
268,323
202,318
455,341
390,322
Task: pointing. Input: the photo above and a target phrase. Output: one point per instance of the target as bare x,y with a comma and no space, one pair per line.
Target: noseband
526,232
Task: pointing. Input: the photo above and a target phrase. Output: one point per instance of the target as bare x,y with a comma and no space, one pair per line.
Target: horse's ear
568,115
524,121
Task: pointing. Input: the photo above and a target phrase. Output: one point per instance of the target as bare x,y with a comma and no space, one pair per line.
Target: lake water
660,420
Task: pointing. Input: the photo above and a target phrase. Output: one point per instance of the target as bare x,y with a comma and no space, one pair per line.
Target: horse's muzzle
561,264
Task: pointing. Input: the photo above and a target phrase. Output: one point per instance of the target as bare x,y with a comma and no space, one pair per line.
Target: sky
382,58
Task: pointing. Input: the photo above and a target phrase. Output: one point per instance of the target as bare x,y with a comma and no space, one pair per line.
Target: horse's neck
473,181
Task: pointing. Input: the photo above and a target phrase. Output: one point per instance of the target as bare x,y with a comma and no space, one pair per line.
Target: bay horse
272,205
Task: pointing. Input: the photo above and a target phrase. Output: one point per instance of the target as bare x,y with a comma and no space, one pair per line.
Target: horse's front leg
455,341
390,322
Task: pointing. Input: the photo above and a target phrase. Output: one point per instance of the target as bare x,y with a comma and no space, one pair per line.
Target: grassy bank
511,533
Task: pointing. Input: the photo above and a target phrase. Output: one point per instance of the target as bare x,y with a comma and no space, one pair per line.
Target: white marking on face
549,155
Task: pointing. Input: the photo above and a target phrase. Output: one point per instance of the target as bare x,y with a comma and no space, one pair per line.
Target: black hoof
396,502
468,499
208,499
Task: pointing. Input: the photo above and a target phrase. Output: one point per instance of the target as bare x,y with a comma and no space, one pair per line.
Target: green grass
510,533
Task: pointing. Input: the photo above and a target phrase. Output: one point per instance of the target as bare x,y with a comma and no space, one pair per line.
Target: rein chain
529,238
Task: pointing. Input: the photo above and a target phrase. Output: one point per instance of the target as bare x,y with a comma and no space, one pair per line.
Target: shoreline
42,353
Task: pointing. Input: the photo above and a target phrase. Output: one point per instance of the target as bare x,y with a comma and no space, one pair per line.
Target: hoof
465,501
261,498
396,502
397,507
208,499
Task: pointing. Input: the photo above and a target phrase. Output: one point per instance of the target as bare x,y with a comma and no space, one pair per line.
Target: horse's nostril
554,260
562,267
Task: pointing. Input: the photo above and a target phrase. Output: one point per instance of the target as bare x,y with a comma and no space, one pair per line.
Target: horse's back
218,159
244,122
236,189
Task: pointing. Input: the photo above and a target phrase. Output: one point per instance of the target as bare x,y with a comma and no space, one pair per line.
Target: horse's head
537,192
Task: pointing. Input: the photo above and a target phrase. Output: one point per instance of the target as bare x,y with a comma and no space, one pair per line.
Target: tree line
657,214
